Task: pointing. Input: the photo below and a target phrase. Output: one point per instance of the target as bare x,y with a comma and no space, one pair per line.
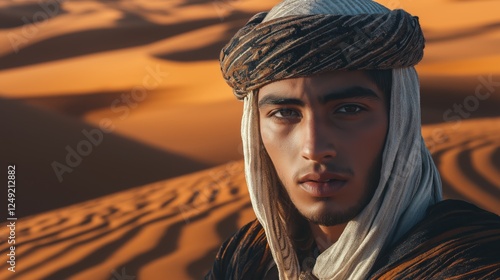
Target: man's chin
325,216
329,219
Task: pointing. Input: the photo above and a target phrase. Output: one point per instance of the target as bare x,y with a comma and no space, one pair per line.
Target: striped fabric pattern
294,46
455,240
331,7
245,255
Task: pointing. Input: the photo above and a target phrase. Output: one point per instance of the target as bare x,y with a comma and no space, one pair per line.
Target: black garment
455,239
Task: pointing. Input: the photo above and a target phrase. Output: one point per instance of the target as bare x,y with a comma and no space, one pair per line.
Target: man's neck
325,236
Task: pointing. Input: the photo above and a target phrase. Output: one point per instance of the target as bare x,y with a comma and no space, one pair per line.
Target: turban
303,45
304,37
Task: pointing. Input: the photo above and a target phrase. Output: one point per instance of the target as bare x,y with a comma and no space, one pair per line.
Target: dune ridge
138,229
166,187
175,227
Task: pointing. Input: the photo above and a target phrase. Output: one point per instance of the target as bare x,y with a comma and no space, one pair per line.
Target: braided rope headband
295,46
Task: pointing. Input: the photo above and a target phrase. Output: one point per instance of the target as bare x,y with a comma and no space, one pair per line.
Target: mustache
322,168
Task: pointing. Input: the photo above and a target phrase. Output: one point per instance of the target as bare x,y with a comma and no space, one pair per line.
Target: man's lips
323,177
324,184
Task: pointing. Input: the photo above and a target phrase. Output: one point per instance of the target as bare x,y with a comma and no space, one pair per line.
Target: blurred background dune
126,138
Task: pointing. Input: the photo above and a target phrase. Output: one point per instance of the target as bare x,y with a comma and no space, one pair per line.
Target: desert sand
160,184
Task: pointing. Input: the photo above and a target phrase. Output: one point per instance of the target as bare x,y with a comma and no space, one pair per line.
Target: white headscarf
409,181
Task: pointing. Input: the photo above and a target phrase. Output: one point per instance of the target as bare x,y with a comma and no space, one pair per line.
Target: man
339,176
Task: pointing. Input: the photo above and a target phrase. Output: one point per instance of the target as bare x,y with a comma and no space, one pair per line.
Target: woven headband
295,46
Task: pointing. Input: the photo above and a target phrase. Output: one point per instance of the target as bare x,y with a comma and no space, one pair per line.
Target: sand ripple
172,229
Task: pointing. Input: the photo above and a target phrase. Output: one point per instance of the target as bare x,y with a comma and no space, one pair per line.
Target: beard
332,218
328,217
325,216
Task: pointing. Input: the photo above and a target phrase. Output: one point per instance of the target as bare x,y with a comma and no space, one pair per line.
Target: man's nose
317,144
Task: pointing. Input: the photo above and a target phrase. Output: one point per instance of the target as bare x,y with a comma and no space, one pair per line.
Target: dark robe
455,240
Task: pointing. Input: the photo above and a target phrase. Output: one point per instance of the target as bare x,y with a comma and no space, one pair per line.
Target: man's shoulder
243,254
451,207
248,238
455,239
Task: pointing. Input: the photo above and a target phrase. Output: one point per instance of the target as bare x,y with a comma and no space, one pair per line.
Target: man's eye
350,109
285,114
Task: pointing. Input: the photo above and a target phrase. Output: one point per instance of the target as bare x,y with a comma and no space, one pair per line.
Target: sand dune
107,162
144,230
173,228
477,95
150,69
467,154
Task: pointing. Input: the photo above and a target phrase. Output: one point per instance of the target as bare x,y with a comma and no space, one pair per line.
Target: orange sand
149,70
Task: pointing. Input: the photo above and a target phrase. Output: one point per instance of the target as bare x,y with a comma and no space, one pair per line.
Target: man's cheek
359,158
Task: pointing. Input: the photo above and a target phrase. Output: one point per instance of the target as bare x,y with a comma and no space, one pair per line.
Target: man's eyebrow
350,92
355,92
277,100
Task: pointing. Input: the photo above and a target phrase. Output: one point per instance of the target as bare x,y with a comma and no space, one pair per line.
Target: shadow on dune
34,139
465,164
472,0
439,95
77,105
434,37
225,229
17,15
74,105
141,32
166,245
199,2
470,171
169,242
206,52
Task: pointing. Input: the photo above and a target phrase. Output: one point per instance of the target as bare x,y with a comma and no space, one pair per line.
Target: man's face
325,135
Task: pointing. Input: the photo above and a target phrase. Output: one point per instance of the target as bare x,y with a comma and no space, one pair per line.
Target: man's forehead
317,85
